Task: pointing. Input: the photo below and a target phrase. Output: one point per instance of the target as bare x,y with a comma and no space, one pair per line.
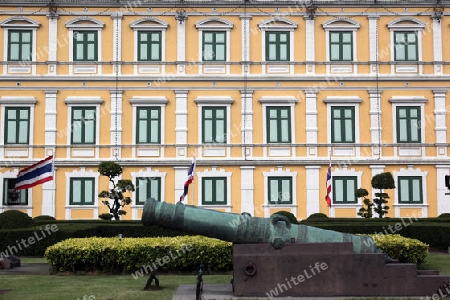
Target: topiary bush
13,219
105,216
317,216
444,216
44,218
406,250
290,216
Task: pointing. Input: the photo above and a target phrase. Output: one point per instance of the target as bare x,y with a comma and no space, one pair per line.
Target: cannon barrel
244,229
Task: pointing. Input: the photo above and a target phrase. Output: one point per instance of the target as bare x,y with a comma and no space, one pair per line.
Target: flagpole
53,183
329,165
193,181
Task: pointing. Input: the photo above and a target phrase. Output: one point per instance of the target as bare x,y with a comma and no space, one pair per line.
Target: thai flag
327,197
36,174
189,180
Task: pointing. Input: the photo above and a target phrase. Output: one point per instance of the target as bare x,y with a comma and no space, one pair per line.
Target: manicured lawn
117,287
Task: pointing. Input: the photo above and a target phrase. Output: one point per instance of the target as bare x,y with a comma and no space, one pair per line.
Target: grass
117,287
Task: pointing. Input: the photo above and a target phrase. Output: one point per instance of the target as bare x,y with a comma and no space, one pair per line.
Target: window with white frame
279,190
277,39
11,196
406,39
214,39
411,190
147,187
150,37
215,189
85,39
344,188
341,44
82,191
148,125
20,44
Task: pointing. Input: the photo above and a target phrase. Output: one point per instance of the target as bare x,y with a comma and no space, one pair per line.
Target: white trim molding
341,24
284,150
82,173
90,24
214,149
398,101
149,24
406,24
146,173
278,24
280,173
214,24
411,171
149,149
20,67
213,173
90,151
344,149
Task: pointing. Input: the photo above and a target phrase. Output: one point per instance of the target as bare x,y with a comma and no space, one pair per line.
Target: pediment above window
149,23
277,23
341,24
19,22
214,23
406,23
84,22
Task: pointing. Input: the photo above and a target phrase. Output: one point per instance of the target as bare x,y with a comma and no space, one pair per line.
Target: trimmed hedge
12,219
404,249
131,254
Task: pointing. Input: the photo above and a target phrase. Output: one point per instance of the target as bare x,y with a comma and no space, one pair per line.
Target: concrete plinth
325,270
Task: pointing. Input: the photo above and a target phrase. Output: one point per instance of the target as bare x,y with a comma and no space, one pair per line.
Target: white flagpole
193,181
53,183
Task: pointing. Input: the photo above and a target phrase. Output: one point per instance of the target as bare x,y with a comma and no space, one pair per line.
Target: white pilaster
116,123
245,42
440,111
312,190
437,46
49,188
117,42
373,42
48,196
247,190
247,122
311,123
181,47
310,49
52,43
181,126
377,169
375,121
443,200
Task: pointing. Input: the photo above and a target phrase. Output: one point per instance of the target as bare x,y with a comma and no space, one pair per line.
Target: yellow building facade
265,94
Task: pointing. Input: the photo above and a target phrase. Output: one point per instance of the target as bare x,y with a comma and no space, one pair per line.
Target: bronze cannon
244,229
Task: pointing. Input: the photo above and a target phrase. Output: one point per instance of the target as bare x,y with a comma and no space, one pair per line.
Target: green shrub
444,215
12,219
106,216
317,216
44,218
406,250
290,216
130,254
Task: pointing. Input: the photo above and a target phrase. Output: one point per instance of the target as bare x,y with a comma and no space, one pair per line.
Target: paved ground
28,269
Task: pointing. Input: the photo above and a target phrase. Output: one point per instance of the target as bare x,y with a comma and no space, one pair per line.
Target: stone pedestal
9,262
325,270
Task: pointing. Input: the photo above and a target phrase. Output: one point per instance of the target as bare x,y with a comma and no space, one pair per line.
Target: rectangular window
277,46
214,125
278,124
410,189
148,125
11,196
280,190
85,46
406,47
408,124
83,125
17,125
344,189
19,45
82,191
341,46
214,46
149,45
147,187
342,124
214,191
